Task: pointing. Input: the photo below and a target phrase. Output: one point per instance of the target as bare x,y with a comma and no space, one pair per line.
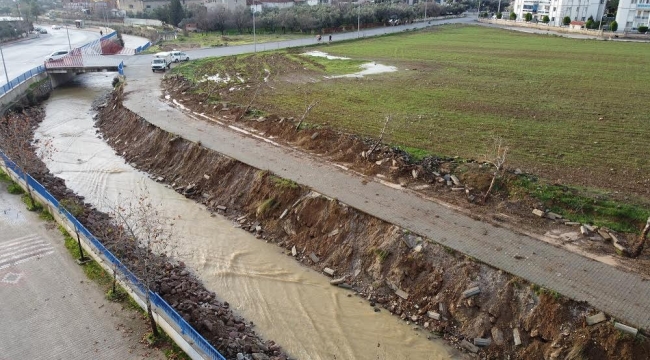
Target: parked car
56,27
179,56
57,55
42,30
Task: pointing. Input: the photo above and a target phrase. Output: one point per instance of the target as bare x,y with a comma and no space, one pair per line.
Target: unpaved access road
621,294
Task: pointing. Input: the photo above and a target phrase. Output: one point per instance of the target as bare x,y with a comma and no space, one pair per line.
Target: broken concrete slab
595,319
482,342
284,213
433,315
604,234
516,337
328,271
469,346
313,257
471,292
457,189
455,180
627,329
221,207
294,251
401,293
553,216
538,212
571,223
584,230
591,228
619,247
421,187
338,281
497,335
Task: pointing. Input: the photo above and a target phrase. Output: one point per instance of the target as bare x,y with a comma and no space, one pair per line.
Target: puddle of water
290,304
325,55
369,68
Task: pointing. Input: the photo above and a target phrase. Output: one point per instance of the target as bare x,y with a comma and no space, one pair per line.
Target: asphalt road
23,55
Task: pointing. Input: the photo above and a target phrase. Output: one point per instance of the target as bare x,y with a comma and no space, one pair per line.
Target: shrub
566,20
484,14
513,16
499,15
546,19
15,189
613,26
528,17
643,29
589,24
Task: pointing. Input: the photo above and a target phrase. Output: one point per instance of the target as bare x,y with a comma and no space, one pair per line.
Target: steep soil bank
510,204
214,319
377,259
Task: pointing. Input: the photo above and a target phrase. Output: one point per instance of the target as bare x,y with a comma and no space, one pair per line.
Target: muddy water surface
290,304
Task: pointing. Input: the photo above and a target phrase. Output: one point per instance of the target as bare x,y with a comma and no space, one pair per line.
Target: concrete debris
206,176
604,234
516,337
538,212
433,315
570,236
497,335
442,308
455,180
346,286
328,271
333,232
414,173
221,207
590,227
401,293
294,251
284,213
421,187
619,247
571,223
625,328
482,342
415,318
595,319
313,257
471,292
418,248
457,189
449,183
314,136
553,216
160,179
258,228
518,171
469,346
338,281
584,230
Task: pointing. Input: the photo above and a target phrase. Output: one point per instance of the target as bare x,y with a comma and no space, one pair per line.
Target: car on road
179,56
161,64
57,55
56,27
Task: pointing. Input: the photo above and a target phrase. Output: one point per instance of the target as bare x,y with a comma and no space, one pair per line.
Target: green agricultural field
573,110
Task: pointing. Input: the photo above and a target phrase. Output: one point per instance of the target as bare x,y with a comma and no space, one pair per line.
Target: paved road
49,309
21,56
621,294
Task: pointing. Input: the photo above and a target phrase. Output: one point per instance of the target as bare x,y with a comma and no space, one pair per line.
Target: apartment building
556,10
632,13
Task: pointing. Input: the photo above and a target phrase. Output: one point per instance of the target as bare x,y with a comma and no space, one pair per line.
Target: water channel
289,303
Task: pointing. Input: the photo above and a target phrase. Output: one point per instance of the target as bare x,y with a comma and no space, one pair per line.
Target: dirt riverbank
396,271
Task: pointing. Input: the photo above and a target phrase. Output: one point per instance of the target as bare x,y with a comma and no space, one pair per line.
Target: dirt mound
401,272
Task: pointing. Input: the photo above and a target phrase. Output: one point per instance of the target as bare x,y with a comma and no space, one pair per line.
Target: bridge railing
20,78
164,313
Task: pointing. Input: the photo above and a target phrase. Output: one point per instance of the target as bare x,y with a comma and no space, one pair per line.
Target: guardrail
172,322
142,48
20,78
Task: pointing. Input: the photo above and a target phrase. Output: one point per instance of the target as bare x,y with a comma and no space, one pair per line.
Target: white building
556,10
632,13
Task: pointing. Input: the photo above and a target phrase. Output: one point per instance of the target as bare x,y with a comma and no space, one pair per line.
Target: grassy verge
214,39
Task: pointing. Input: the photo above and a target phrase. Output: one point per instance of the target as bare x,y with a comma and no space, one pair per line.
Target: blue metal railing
20,78
142,48
171,315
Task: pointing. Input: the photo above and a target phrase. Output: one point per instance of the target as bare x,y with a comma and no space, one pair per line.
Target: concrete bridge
76,62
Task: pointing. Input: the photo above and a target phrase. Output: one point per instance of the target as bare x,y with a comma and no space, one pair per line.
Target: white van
179,56
161,61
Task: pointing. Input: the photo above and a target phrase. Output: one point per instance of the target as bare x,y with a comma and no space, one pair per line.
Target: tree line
301,18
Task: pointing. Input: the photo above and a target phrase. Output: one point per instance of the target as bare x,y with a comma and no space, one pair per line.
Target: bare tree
496,156
381,137
140,221
302,118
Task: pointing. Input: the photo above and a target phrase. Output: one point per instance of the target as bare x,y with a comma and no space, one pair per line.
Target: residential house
556,10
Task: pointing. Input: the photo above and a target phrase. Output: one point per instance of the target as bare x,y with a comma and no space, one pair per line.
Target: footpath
621,294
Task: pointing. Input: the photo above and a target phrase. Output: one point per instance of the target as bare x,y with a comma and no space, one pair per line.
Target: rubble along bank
214,319
378,258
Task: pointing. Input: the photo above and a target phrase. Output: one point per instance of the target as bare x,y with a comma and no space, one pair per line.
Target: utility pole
4,65
254,39
68,33
425,9
499,8
359,20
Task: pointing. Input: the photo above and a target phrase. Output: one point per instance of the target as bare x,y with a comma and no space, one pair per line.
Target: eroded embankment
376,257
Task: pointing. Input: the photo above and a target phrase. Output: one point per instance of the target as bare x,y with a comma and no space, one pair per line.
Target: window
554,8
583,18
130,6
148,6
553,18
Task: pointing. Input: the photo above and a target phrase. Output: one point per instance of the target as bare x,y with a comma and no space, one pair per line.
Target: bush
589,24
484,14
499,15
613,26
15,189
546,19
566,20
643,29
528,17
513,16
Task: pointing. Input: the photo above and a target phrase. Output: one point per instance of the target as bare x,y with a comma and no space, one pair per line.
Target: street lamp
254,38
68,33
359,20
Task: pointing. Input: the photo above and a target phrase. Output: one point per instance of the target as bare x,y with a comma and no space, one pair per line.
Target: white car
179,56
56,27
57,55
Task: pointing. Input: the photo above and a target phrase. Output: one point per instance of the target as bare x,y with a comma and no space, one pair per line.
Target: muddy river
290,304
